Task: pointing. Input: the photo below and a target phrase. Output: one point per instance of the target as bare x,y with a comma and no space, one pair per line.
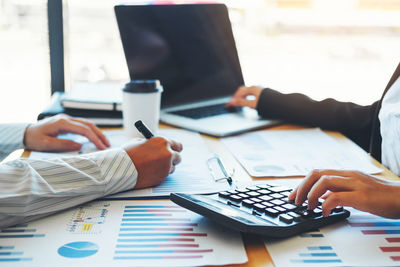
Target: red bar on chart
390,249
395,258
393,239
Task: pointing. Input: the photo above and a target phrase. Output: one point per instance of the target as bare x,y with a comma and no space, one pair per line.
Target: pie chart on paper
78,249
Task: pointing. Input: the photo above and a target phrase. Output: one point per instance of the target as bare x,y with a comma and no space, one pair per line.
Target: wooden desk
255,248
256,251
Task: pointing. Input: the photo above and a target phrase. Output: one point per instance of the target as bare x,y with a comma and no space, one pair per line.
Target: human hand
42,136
349,188
240,98
154,160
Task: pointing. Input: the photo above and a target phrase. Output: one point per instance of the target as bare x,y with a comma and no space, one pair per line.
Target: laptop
191,50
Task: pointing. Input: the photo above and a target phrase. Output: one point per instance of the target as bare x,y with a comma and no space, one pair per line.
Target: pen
143,129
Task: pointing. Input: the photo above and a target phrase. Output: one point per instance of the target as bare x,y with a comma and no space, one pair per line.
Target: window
346,49
24,60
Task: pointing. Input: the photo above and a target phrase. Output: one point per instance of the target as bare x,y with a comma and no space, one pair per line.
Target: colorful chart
385,230
148,233
78,249
154,232
88,219
362,240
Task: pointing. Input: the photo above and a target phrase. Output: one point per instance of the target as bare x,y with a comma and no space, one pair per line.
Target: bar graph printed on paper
148,233
388,231
11,252
363,240
317,255
153,232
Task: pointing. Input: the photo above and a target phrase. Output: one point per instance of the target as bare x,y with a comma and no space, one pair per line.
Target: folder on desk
102,96
99,117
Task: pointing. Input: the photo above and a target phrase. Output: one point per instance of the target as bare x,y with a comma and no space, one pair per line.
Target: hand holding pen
155,159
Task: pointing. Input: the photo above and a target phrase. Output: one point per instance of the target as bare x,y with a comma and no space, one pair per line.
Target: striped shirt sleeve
30,189
11,138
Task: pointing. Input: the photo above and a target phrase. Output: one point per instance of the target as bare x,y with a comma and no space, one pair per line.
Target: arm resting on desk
30,189
11,138
354,121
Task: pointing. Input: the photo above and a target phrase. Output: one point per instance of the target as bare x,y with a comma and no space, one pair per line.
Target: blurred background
345,49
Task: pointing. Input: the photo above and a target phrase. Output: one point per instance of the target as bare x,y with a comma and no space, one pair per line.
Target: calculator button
252,188
243,195
265,198
235,198
224,194
259,207
267,204
277,195
264,191
247,203
286,194
306,214
280,209
278,189
289,206
255,199
241,190
253,194
271,212
317,212
263,186
285,218
277,202
296,217
338,209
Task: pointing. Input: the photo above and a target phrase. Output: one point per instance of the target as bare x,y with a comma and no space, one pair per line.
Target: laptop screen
189,48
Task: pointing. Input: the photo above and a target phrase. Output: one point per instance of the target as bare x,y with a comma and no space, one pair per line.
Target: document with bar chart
283,153
362,240
121,233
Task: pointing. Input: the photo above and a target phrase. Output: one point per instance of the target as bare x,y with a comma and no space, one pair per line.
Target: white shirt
11,138
389,117
30,189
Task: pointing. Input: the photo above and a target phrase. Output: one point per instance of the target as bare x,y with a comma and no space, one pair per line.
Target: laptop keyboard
206,111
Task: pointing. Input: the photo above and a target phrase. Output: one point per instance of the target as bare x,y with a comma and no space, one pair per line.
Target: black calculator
261,209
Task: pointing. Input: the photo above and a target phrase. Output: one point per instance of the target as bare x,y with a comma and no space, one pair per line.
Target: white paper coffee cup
141,100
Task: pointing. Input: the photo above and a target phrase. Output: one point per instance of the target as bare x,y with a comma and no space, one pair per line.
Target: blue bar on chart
153,232
9,254
375,224
19,231
178,185
317,254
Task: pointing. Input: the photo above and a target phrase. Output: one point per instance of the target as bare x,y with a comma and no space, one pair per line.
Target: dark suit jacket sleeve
352,120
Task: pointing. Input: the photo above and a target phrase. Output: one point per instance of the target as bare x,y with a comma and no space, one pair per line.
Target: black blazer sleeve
352,120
